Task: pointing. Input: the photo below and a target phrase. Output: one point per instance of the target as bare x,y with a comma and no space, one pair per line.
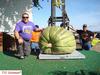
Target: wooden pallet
7,41
73,55
1,41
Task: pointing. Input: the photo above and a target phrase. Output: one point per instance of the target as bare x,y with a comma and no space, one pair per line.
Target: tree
10,13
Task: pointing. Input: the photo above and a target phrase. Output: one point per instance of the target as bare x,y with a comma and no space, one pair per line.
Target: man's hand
20,40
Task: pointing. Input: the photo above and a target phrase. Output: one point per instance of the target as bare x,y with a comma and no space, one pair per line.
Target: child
95,40
35,41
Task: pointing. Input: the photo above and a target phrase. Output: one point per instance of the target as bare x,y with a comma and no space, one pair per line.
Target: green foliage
35,3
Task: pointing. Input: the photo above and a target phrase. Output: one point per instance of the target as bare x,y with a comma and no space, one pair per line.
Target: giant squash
62,40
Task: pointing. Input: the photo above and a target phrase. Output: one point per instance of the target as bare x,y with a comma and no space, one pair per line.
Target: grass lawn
33,66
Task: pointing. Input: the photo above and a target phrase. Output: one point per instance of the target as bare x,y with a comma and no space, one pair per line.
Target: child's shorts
34,45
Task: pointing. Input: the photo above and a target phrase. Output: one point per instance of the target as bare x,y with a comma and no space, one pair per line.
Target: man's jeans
86,45
24,49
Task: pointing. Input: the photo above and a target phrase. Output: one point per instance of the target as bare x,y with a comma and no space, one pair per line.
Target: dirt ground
96,48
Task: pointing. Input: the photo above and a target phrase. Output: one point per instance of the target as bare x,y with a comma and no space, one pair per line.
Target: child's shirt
35,36
95,41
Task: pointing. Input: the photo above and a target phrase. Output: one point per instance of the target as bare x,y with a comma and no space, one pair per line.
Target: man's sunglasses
25,17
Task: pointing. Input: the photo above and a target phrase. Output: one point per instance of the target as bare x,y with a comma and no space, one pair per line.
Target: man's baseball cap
84,25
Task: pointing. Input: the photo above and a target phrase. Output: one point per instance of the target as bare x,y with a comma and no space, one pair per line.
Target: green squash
62,40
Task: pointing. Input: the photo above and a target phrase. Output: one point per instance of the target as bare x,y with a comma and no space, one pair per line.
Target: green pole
53,12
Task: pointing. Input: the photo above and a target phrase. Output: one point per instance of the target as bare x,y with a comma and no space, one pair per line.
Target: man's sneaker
22,57
17,55
26,55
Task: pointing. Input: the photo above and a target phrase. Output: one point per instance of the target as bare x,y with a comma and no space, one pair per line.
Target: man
23,34
85,37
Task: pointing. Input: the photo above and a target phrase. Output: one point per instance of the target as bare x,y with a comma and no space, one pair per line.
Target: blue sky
79,12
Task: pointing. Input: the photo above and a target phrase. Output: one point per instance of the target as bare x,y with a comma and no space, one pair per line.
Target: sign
10,72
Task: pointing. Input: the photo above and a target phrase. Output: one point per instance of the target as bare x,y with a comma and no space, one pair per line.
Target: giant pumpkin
62,40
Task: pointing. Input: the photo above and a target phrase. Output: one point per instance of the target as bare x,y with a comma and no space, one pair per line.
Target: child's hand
49,45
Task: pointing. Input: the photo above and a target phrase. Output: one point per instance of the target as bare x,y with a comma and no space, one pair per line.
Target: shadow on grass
59,73
81,72
9,53
79,49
